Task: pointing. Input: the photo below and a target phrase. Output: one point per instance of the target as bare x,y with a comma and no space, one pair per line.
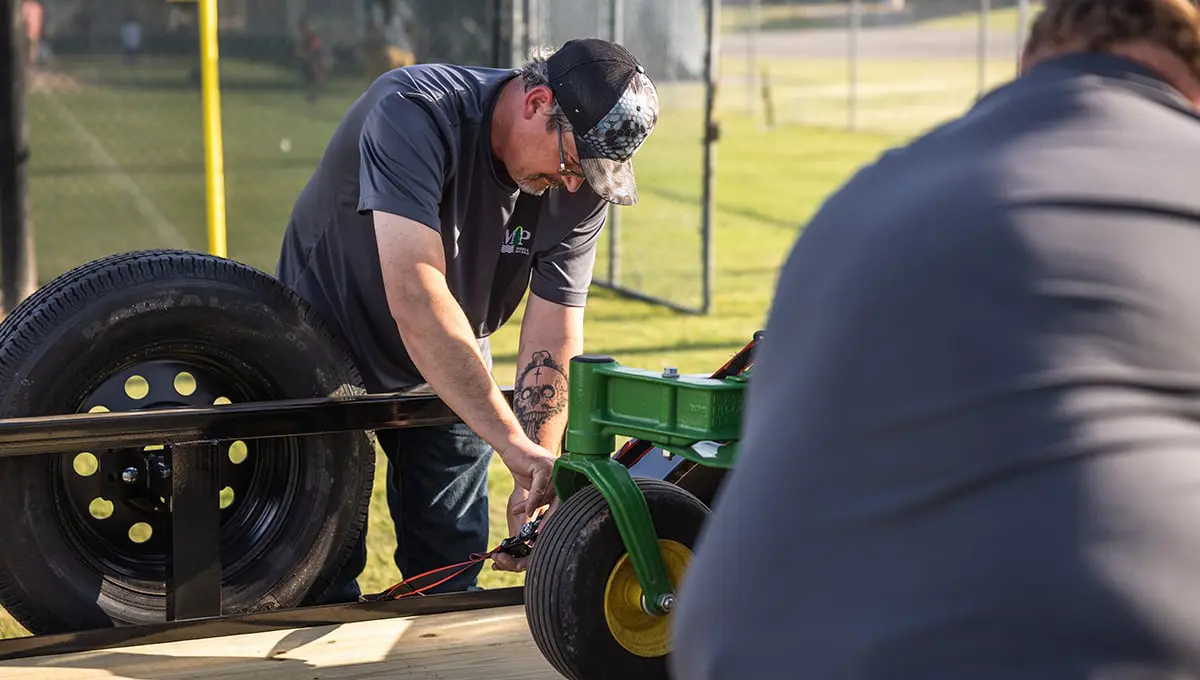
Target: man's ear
536,100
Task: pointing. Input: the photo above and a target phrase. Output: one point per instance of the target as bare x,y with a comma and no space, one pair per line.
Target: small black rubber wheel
582,598
86,533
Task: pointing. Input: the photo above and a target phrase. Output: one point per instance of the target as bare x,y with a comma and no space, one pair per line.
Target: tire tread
37,315
547,573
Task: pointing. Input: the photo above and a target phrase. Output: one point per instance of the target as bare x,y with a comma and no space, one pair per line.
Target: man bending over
445,194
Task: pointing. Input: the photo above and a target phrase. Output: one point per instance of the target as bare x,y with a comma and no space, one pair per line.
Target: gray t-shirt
417,143
972,444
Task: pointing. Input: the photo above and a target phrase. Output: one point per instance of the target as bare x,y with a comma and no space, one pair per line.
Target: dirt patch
53,81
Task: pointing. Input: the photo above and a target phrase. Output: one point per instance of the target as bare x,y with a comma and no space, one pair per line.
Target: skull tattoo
540,394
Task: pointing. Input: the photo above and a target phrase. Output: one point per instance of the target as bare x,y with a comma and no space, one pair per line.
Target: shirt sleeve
403,159
563,273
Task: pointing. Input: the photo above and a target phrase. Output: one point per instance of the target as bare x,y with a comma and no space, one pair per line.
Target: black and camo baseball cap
612,105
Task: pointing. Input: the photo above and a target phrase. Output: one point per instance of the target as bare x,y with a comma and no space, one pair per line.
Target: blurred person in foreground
972,441
447,193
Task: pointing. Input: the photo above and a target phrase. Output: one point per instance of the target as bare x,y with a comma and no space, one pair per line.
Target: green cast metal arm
696,418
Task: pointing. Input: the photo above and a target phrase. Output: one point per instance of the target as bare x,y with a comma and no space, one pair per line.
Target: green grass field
117,165
899,96
800,15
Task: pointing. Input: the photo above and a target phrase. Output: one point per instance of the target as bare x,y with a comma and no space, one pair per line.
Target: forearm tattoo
540,393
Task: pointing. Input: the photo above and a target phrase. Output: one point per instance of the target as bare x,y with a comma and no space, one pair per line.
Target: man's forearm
439,340
540,396
540,391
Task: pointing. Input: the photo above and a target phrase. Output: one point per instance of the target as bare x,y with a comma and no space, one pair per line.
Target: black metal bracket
194,570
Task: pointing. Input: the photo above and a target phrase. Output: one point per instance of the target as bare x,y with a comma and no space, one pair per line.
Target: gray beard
531,188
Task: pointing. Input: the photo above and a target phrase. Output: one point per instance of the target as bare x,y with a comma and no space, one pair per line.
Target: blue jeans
437,496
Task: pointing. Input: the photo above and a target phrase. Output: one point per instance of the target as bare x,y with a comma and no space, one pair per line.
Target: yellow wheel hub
635,630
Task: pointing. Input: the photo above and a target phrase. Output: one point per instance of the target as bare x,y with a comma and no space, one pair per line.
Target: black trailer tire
572,585
69,347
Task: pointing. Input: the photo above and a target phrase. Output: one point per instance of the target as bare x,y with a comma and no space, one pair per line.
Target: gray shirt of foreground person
972,446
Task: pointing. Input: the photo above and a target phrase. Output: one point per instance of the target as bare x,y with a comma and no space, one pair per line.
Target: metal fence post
1022,22
711,134
616,32
752,59
533,28
517,36
981,57
852,58
214,151
16,244
498,33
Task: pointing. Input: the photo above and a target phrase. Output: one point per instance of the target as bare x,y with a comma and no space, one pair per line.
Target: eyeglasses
562,158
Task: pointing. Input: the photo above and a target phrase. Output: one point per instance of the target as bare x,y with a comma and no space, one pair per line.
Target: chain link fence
115,116
887,66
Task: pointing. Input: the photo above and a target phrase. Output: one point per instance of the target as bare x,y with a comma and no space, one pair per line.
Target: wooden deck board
494,644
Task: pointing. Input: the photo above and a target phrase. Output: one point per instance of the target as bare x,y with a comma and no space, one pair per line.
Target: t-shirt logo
516,240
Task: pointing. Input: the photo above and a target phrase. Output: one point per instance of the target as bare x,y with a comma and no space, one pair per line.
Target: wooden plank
492,643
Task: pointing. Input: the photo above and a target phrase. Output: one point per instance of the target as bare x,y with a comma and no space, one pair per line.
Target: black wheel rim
114,504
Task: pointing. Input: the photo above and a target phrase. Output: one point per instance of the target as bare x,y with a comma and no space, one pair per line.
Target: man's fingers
533,503
518,508
542,498
504,562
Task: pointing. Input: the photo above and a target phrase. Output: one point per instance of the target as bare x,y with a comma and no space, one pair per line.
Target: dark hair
1097,26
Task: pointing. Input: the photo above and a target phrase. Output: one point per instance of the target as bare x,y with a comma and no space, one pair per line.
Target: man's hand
517,517
531,466
531,469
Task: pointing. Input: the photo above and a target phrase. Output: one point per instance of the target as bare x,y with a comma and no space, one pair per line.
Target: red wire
391,594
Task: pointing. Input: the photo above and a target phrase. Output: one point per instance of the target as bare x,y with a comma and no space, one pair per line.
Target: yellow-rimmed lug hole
185,384
98,409
638,632
100,508
226,497
140,532
85,464
238,452
221,401
137,387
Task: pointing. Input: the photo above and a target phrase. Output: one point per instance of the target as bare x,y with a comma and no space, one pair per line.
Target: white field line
168,234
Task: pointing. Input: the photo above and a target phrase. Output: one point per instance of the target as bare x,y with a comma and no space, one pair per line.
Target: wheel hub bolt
130,475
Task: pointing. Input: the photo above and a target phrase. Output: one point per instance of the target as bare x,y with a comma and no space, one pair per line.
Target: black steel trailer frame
193,583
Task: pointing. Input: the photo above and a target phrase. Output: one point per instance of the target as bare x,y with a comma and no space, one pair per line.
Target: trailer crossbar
52,434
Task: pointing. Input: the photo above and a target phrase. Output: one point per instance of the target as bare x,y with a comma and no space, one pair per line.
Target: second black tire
75,343
581,596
